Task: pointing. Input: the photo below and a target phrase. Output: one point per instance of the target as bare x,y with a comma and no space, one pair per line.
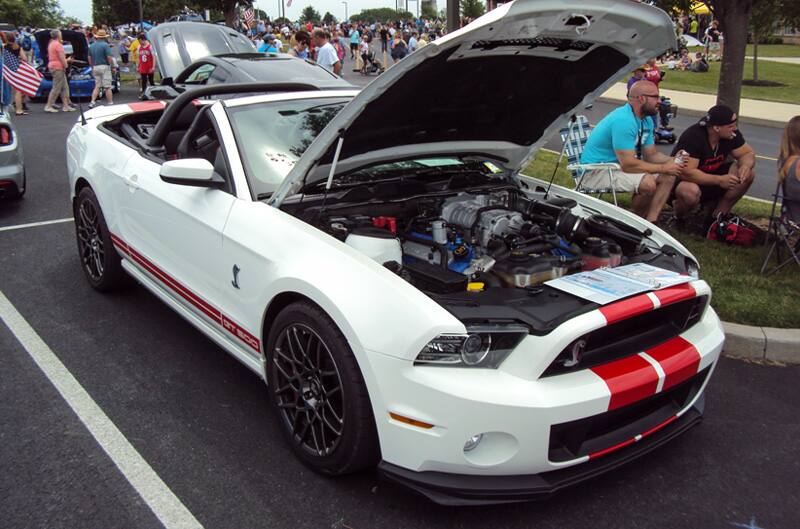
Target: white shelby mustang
379,261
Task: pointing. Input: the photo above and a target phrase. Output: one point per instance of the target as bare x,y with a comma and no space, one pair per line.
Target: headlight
482,346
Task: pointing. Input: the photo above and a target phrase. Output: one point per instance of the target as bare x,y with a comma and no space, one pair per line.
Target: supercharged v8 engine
473,241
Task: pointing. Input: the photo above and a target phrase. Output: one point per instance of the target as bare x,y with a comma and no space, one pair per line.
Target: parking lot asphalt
200,420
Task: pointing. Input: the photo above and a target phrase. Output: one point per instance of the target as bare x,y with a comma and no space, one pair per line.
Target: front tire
100,262
318,393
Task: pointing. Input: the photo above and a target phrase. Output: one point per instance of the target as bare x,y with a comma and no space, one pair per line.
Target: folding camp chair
782,231
574,137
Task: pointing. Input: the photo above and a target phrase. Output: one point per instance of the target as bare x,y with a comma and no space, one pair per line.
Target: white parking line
34,224
156,494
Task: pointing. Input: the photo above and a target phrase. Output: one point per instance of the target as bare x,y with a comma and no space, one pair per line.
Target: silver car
12,168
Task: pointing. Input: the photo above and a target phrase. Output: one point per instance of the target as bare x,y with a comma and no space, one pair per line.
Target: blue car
79,73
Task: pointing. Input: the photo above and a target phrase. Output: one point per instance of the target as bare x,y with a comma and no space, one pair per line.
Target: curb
762,343
699,113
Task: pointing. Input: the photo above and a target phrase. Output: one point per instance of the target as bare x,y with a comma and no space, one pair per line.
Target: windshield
272,136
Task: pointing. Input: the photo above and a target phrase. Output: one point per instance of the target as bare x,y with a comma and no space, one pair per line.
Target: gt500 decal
196,301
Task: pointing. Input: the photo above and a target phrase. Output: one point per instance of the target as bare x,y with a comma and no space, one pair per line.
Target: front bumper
463,490
12,172
534,425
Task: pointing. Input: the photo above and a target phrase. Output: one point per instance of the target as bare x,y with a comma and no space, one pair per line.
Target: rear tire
318,393
100,261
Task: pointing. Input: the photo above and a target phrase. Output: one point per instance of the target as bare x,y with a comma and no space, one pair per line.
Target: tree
309,14
328,19
383,14
472,8
428,11
734,18
767,14
35,13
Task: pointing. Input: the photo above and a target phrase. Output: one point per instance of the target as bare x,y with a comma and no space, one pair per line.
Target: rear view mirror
196,172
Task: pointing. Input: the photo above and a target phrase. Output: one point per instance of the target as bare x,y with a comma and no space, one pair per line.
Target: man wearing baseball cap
720,164
101,58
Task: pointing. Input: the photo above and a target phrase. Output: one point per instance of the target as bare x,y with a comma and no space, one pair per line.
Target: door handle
132,181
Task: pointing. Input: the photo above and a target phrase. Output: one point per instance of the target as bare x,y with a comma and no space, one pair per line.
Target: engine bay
479,240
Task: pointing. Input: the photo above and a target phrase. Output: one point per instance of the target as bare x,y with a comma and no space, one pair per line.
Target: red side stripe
678,358
629,379
627,308
675,294
145,106
209,310
184,292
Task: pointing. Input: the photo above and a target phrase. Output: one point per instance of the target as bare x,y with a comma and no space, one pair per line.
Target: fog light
472,442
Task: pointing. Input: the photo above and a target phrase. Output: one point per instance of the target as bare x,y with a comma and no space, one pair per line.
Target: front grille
630,336
574,439
545,42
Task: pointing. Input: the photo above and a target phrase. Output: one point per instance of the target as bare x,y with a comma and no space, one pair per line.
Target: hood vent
545,42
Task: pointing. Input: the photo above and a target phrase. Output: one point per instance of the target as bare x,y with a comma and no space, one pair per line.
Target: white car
379,261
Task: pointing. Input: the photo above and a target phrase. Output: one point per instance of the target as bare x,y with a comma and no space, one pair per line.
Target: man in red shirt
147,63
57,64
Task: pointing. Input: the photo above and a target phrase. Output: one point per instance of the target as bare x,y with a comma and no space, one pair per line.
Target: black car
247,68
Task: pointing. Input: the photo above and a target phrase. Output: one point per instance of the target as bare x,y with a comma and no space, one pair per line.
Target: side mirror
167,81
196,172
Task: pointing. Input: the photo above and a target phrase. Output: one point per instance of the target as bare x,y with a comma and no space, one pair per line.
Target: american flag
20,75
249,15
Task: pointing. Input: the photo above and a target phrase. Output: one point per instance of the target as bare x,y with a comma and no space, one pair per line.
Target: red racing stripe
675,294
678,358
145,106
629,379
627,308
209,310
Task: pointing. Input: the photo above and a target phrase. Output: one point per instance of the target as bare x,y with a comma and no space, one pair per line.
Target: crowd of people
368,45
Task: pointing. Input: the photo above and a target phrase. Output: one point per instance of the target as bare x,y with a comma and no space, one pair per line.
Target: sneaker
69,109
50,109
93,104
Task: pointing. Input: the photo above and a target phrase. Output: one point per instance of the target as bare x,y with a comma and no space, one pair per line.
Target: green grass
740,293
706,83
775,50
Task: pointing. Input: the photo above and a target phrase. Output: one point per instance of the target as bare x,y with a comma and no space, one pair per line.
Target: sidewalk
786,60
754,111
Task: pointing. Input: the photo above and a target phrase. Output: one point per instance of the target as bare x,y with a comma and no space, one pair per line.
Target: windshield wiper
315,108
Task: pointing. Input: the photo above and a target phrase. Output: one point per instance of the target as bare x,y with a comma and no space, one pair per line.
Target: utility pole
345,12
453,21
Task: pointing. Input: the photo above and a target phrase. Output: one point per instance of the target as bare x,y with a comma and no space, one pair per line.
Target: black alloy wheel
308,390
99,260
318,393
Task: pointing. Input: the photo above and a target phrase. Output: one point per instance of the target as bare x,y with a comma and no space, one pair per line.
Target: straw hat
101,34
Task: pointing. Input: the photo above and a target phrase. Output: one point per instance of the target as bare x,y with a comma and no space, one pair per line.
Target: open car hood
497,87
80,48
178,44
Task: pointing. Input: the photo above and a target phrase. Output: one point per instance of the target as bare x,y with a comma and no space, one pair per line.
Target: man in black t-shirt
720,167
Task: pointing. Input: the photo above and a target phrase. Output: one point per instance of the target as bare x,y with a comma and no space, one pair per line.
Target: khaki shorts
624,182
102,76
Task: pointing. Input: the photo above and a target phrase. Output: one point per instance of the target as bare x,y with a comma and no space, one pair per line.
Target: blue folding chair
574,138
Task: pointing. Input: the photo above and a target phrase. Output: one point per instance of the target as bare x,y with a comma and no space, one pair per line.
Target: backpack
27,43
734,230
